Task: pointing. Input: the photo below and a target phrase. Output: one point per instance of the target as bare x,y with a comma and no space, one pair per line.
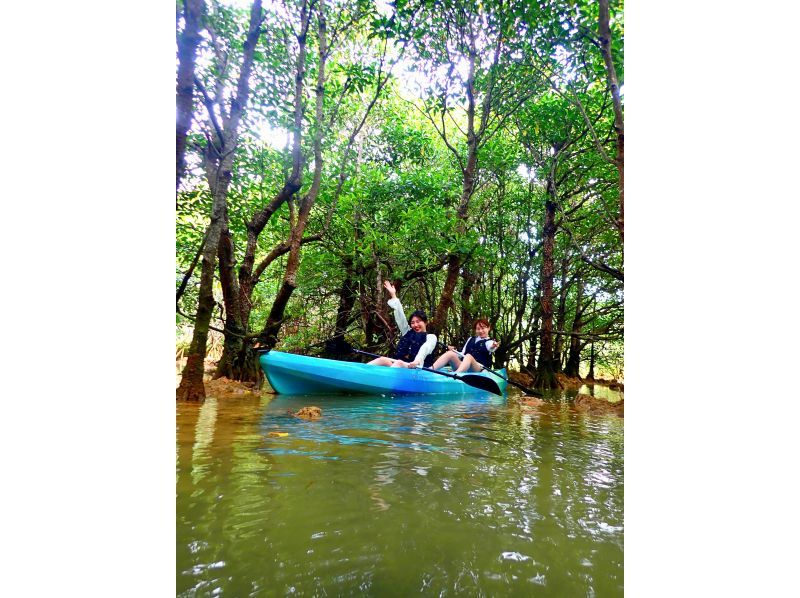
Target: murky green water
398,497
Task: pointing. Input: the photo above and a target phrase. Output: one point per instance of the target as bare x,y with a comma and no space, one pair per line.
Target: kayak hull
300,374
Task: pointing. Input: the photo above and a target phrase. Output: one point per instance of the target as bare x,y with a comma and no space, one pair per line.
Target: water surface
398,496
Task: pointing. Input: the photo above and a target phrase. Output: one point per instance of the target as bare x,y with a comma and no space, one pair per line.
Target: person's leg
385,361
469,365
451,357
476,366
399,363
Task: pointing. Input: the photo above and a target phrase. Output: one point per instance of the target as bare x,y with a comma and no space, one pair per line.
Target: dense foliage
468,152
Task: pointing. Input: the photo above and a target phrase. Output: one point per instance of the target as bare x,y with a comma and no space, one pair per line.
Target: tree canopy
472,153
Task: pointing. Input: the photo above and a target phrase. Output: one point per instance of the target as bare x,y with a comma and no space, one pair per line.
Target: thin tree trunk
446,298
219,163
530,365
468,279
347,298
189,272
545,374
381,316
476,135
619,127
188,41
366,302
561,315
294,181
191,386
269,335
239,360
590,375
574,360
467,189
454,259
234,325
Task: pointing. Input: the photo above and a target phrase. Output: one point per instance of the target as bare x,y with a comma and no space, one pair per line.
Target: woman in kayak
476,354
416,345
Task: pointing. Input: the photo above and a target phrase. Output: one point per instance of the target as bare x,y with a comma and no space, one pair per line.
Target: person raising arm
416,345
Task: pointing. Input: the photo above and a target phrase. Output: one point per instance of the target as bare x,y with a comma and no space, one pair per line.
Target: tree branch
277,252
209,104
190,271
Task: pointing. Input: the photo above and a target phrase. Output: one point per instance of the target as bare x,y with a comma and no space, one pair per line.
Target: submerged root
594,406
308,413
224,388
520,378
568,381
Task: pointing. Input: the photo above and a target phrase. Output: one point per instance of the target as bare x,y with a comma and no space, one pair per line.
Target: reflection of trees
204,436
217,466
186,421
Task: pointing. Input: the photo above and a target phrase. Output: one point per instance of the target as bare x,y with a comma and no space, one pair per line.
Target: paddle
473,380
525,389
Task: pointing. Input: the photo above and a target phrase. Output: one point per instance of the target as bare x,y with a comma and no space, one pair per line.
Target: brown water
398,497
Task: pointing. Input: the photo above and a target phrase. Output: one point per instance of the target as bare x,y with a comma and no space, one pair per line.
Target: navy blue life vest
479,351
409,346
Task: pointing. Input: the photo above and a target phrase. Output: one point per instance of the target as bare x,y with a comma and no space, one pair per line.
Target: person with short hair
416,345
477,351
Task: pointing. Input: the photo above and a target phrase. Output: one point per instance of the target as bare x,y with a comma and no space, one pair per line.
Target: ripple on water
386,496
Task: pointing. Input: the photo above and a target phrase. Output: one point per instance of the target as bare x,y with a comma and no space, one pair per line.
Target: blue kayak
300,374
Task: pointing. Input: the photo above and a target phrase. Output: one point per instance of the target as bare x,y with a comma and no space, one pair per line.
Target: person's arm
425,350
399,315
394,303
464,350
493,347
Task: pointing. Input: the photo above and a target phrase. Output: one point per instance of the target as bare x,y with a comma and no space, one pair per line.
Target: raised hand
390,287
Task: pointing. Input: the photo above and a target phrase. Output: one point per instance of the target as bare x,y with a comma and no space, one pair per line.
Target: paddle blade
481,382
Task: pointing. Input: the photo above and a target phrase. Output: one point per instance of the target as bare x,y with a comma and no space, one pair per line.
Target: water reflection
203,437
601,392
397,496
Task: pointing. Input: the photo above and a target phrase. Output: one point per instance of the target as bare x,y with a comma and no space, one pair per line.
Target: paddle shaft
354,350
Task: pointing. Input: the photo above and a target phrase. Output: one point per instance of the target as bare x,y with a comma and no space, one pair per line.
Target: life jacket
478,350
409,346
